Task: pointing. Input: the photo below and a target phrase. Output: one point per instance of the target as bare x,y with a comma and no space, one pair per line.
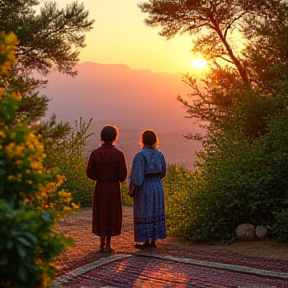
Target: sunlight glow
199,63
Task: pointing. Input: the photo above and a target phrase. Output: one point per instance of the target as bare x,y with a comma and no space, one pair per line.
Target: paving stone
169,265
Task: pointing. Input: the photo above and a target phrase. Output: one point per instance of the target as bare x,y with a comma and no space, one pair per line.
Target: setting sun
199,63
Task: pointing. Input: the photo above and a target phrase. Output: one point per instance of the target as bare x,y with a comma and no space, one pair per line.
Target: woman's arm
122,169
137,171
91,171
163,166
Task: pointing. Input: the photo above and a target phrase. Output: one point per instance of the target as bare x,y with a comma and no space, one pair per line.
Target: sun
199,63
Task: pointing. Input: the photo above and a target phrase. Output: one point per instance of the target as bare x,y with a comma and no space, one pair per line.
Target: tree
223,29
212,19
49,39
240,171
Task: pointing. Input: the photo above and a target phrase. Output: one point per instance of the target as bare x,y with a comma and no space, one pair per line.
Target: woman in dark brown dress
107,166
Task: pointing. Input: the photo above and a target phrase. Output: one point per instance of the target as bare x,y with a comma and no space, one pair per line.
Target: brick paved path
169,265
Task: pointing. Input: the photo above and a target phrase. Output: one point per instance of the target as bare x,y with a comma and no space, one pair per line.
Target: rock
246,232
261,232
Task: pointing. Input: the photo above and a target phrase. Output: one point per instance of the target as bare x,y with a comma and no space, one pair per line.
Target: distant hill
131,99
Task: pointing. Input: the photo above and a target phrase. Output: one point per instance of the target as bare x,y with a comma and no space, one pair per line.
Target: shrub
237,182
280,227
180,208
30,201
64,147
28,245
126,199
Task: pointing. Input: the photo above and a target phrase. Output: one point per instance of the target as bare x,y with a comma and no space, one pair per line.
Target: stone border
231,267
63,279
88,267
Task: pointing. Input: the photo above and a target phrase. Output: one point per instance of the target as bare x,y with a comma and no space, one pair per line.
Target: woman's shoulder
160,154
139,153
96,150
158,151
117,150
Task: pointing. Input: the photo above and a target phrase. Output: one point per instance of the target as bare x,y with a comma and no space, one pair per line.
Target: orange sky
120,36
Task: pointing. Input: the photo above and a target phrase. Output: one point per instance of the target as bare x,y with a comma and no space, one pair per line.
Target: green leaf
9,244
70,242
24,242
21,250
32,238
22,273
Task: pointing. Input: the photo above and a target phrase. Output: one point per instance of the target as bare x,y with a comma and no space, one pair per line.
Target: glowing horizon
120,36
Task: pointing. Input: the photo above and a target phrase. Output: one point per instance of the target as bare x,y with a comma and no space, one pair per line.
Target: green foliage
30,202
28,246
49,38
237,181
23,175
126,199
65,147
241,173
280,227
180,209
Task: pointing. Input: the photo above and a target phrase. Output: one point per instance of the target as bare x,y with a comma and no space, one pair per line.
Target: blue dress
148,168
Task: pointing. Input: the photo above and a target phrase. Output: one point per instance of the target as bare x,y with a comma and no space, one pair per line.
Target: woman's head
149,138
109,134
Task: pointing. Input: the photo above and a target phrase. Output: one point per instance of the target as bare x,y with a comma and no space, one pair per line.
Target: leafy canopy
239,174
50,39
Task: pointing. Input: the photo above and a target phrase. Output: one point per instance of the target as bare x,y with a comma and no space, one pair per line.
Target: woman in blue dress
148,170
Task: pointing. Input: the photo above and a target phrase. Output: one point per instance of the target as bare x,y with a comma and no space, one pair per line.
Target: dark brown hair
109,133
149,138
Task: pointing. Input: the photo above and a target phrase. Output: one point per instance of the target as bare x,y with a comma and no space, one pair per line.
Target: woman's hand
131,191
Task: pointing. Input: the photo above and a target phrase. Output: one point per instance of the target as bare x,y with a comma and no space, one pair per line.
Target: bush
28,245
238,181
30,205
64,147
30,200
180,208
126,199
280,227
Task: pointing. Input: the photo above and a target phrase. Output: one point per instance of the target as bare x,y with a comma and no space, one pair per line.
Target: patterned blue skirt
149,211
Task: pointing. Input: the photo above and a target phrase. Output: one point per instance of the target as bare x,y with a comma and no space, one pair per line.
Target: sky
120,36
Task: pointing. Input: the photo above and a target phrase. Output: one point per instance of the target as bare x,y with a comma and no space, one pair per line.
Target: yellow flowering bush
30,201
8,43
25,177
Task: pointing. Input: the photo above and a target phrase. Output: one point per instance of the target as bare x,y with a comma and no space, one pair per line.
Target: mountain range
133,100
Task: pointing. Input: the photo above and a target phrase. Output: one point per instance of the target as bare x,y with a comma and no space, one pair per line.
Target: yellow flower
1,92
2,134
16,95
75,206
36,165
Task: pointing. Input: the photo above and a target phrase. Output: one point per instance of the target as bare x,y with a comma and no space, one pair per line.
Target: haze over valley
133,100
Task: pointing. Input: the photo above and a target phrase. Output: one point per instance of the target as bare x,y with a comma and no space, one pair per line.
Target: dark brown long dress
107,166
